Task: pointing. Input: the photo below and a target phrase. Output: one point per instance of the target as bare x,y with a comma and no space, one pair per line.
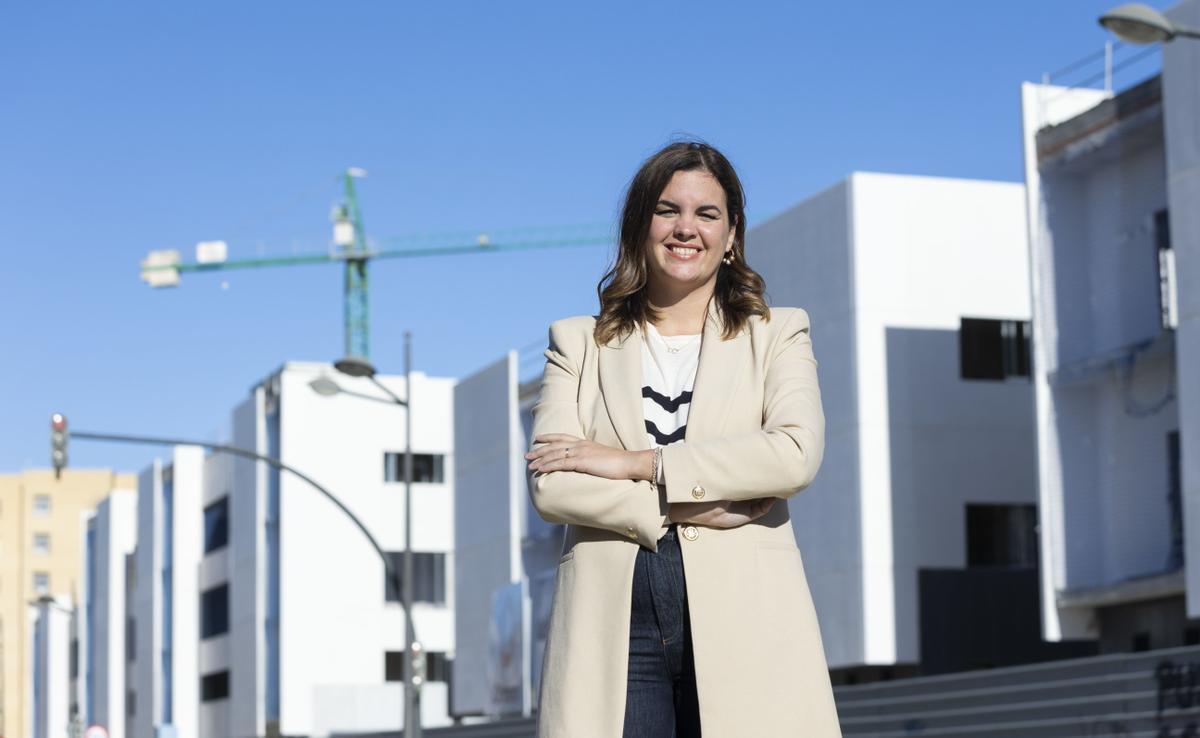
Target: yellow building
40,537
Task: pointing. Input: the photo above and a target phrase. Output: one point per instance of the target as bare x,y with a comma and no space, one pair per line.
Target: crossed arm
743,474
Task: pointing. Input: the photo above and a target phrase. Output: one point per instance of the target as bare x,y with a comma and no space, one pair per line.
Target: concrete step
1084,725
1137,681
1015,675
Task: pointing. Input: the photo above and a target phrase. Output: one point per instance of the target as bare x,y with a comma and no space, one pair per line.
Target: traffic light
418,665
58,443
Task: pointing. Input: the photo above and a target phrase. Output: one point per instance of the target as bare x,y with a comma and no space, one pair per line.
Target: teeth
683,250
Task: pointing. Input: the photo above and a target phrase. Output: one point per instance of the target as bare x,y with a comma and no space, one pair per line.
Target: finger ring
567,451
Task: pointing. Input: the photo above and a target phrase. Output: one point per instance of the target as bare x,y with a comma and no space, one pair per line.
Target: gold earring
728,260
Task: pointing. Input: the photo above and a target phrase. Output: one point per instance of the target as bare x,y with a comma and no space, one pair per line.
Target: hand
563,452
720,513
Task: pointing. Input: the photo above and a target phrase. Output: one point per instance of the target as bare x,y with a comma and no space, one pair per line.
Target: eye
663,211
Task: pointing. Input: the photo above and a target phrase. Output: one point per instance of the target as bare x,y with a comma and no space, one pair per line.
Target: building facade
49,710
39,555
1113,184
103,624
257,606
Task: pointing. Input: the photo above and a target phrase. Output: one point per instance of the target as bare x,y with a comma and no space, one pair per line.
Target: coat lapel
717,379
620,367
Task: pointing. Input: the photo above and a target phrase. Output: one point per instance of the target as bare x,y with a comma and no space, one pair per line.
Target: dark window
993,349
74,658
1141,642
214,611
1002,535
426,467
1191,636
437,667
130,702
429,577
1162,230
1174,502
216,525
214,686
130,639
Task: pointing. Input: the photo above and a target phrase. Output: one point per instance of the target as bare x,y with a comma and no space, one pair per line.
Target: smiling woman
666,430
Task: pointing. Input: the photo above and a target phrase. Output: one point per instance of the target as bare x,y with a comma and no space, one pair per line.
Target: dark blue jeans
660,697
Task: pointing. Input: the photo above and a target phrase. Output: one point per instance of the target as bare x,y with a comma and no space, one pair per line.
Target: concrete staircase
1117,695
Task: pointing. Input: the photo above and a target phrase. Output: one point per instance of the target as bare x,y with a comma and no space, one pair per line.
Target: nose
685,227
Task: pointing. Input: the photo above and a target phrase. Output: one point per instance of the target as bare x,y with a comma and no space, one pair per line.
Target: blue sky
133,126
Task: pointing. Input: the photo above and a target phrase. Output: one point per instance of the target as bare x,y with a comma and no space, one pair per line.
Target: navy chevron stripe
665,402
662,439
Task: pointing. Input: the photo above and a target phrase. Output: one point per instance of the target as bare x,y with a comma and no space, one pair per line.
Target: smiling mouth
684,251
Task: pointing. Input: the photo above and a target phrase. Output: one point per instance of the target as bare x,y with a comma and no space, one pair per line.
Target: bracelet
655,461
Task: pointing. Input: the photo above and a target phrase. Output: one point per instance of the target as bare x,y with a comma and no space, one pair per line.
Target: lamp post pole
412,706
361,367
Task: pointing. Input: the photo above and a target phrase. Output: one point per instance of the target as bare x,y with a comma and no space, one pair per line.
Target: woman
666,429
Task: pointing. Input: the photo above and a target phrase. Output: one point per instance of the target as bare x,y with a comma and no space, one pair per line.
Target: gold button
631,532
698,492
691,533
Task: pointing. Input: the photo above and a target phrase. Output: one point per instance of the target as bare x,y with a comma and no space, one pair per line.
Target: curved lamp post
360,368
1141,24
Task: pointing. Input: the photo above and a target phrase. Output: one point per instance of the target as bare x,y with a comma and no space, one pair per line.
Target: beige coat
755,429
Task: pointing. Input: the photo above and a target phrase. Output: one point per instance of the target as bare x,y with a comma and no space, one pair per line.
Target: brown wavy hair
622,290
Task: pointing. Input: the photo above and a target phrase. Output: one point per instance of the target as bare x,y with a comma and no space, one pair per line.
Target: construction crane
163,267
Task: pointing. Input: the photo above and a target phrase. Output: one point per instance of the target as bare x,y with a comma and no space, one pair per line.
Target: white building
103,623
298,633
922,520
1114,228
49,658
166,598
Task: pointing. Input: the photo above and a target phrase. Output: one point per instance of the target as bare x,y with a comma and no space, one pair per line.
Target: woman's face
689,234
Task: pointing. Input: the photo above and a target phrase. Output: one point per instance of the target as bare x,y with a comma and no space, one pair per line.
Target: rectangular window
41,582
214,611
429,577
130,639
216,525
130,702
993,349
1168,298
427,468
41,544
1174,502
437,667
214,686
41,505
1002,535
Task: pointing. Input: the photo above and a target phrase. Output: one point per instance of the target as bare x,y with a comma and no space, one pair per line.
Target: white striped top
668,373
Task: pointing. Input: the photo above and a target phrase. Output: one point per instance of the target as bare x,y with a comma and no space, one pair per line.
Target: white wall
1043,105
1181,110
115,529
1104,391
184,534
335,627
49,708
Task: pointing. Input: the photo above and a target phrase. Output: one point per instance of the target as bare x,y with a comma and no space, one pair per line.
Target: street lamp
360,368
1141,24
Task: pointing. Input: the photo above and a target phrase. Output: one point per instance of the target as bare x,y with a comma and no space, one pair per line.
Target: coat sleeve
630,508
782,458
